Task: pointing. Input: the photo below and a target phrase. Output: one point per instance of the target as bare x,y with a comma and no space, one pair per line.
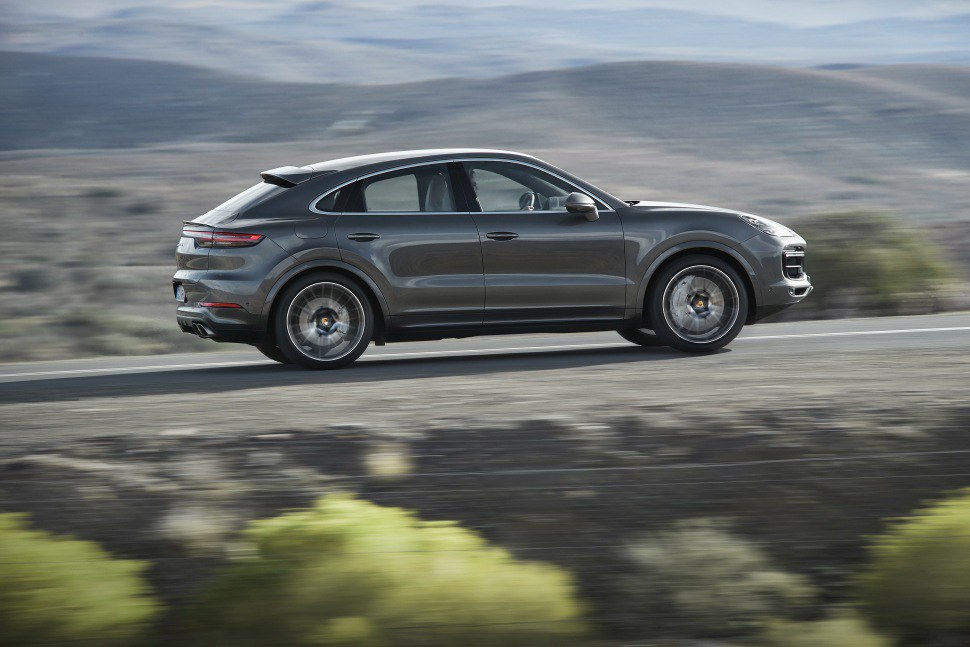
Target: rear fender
323,265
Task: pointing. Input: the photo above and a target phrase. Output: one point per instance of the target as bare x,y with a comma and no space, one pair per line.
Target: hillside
857,119
377,41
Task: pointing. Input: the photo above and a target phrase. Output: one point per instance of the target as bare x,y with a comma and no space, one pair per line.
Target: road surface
920,358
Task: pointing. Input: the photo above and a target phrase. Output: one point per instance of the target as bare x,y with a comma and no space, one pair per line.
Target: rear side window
393,194
424,189
252,196
333,201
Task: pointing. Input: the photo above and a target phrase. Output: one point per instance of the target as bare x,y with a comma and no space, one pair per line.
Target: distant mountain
850,119
334,42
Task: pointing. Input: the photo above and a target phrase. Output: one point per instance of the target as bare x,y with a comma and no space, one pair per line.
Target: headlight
769,227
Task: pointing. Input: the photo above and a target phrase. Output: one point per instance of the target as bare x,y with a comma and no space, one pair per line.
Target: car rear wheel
323,321
697,303
273,353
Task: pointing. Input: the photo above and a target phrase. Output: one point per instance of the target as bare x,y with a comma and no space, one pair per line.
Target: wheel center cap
700,304
326,321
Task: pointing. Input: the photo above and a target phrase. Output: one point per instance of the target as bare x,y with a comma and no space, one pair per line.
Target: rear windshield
251,197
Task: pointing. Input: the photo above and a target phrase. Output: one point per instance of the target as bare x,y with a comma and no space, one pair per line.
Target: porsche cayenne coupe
315,262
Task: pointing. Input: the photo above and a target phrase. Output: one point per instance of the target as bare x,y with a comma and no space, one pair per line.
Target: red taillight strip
216,304
232,239
209,238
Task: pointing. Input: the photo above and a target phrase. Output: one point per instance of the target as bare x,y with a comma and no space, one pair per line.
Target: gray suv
315,262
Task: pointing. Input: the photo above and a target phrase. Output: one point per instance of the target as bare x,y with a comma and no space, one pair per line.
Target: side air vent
793,261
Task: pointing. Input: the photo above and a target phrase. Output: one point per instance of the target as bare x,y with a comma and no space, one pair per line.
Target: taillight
209,238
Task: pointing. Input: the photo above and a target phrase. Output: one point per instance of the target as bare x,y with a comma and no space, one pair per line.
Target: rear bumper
219,324
203,323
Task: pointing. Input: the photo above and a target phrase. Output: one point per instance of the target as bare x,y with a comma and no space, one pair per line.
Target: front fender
689,241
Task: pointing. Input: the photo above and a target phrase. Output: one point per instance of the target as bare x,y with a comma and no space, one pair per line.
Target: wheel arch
710,248
373,292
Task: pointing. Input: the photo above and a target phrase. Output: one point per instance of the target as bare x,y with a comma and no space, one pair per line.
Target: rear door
405,229
542,263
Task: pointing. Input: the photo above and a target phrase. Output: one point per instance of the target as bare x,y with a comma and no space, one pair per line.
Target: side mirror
582,203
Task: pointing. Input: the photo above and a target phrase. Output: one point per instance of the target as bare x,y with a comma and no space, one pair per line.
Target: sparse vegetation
867,263
918,580
847,630
348,572
57,589
698,576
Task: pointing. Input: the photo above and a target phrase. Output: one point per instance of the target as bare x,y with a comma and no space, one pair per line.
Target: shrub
894,270
55,589
845,631
918,578
697,579
348,572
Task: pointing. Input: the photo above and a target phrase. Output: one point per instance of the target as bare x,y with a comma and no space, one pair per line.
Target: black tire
641,336
323,321
273,353
697,303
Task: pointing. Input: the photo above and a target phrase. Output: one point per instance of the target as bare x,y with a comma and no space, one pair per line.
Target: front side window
419,189
506,186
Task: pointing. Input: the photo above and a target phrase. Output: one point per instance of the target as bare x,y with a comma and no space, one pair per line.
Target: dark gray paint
438,275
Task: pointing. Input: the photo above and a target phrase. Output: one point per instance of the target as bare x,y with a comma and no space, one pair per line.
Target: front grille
793,261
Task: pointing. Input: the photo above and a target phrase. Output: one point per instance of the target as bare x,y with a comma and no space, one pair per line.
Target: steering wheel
529,201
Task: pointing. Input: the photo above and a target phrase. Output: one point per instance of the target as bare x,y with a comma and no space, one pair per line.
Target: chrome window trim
312,207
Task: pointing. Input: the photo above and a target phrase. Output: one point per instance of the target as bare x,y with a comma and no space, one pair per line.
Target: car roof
359,161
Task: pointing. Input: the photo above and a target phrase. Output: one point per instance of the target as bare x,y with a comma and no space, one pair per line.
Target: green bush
60,589
697,579
845,631
918,579
348,572
867,262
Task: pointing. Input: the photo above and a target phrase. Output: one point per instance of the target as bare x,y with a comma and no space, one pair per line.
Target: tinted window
423,188
250,197
331,201
504,186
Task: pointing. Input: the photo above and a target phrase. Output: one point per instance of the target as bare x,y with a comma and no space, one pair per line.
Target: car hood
652,204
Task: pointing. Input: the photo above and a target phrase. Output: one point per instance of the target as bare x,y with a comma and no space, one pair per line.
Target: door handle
501,235
363,237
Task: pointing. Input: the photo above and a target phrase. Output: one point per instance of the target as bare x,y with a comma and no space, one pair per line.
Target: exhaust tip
202,331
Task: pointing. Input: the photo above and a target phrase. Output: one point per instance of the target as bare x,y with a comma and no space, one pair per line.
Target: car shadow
233,378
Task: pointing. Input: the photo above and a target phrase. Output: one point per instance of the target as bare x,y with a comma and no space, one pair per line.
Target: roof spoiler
287,176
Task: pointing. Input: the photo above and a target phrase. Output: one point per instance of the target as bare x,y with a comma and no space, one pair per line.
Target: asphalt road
788,356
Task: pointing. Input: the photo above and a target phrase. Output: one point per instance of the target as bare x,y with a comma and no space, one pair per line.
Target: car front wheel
697,303
323,321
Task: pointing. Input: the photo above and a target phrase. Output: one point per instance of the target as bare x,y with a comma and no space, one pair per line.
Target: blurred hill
380,42
855,118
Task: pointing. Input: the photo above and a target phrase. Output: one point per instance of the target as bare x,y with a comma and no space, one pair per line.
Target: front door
541,262
403,228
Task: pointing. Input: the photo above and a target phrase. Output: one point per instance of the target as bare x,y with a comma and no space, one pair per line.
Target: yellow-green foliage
60,589
872,260
696,578
845,631
918,578
348,572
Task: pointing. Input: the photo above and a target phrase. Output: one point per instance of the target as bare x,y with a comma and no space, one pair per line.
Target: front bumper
775,291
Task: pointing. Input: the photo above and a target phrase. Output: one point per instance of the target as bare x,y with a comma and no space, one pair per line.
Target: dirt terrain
803,437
